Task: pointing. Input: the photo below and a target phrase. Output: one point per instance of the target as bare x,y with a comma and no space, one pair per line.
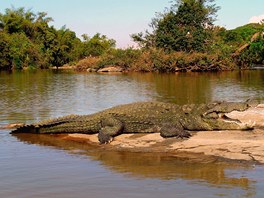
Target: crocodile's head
213,116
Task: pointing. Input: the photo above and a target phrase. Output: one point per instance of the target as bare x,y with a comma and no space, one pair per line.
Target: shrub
120,57
159,60
87,63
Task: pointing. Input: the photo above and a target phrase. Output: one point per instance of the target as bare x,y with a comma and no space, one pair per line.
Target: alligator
170,120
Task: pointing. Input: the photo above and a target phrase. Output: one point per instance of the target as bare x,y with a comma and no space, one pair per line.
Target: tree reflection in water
149,165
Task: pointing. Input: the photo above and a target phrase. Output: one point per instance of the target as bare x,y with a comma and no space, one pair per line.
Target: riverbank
157,60
239,146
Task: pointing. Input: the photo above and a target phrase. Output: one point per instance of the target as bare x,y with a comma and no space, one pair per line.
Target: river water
39,166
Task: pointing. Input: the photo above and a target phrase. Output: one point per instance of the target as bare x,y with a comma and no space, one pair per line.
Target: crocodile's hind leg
173,130
110,128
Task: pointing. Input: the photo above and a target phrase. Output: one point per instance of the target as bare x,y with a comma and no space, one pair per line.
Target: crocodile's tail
47,126
26,129
43,128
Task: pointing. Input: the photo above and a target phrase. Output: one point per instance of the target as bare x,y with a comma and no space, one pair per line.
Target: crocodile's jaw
225,118
222,122
246,125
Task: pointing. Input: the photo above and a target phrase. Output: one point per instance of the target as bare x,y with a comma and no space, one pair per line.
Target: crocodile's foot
184,134
104,138
174,130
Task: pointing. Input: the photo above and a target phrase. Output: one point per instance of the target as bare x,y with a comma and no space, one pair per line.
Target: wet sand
244,146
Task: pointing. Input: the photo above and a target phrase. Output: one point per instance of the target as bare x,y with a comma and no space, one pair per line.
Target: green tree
65,47
5,59
27,40
185,26
242,35
17,52
25,33
97,45
254,54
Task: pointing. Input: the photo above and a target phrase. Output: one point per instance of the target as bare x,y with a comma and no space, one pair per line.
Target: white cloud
256,19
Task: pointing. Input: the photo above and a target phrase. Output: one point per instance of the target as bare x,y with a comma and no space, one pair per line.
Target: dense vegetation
188,27
183,38
185,26
27,40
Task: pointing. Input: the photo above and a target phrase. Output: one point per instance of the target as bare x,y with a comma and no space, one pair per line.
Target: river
35,166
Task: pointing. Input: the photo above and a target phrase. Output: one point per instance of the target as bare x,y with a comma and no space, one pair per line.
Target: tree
27,40
65,47
5,59
253,53
185,26
11,21
97,45
18,51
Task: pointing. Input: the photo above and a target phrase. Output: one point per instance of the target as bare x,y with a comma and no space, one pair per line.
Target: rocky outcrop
110,69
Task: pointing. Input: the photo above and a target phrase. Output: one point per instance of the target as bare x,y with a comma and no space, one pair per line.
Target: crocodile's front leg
110,128
173,130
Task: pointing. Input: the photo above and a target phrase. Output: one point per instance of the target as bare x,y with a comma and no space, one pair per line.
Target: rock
111,69
91,70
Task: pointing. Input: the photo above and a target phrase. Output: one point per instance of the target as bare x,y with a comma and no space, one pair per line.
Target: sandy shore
231,145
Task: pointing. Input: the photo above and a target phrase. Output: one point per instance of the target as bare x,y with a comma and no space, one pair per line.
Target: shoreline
112,69
115,69
232,146
203,146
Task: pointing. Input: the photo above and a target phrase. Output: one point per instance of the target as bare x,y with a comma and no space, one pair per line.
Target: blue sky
118,19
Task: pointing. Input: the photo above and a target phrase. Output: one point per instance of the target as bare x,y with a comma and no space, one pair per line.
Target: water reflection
179,88
29,96
32,96
185,88
149,165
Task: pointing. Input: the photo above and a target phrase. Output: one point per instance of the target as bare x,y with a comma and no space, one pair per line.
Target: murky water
39,166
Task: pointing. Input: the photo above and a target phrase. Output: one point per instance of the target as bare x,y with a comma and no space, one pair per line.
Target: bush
124,58
5,59
87,63
18,52
160,61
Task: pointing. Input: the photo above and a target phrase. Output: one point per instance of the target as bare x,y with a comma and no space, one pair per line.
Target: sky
118,19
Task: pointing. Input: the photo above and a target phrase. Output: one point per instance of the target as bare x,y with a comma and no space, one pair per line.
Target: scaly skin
170,120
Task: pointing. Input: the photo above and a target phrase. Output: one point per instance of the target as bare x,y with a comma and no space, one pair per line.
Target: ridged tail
26,129
49,126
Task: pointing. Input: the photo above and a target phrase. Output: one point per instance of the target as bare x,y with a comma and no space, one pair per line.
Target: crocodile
170,120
